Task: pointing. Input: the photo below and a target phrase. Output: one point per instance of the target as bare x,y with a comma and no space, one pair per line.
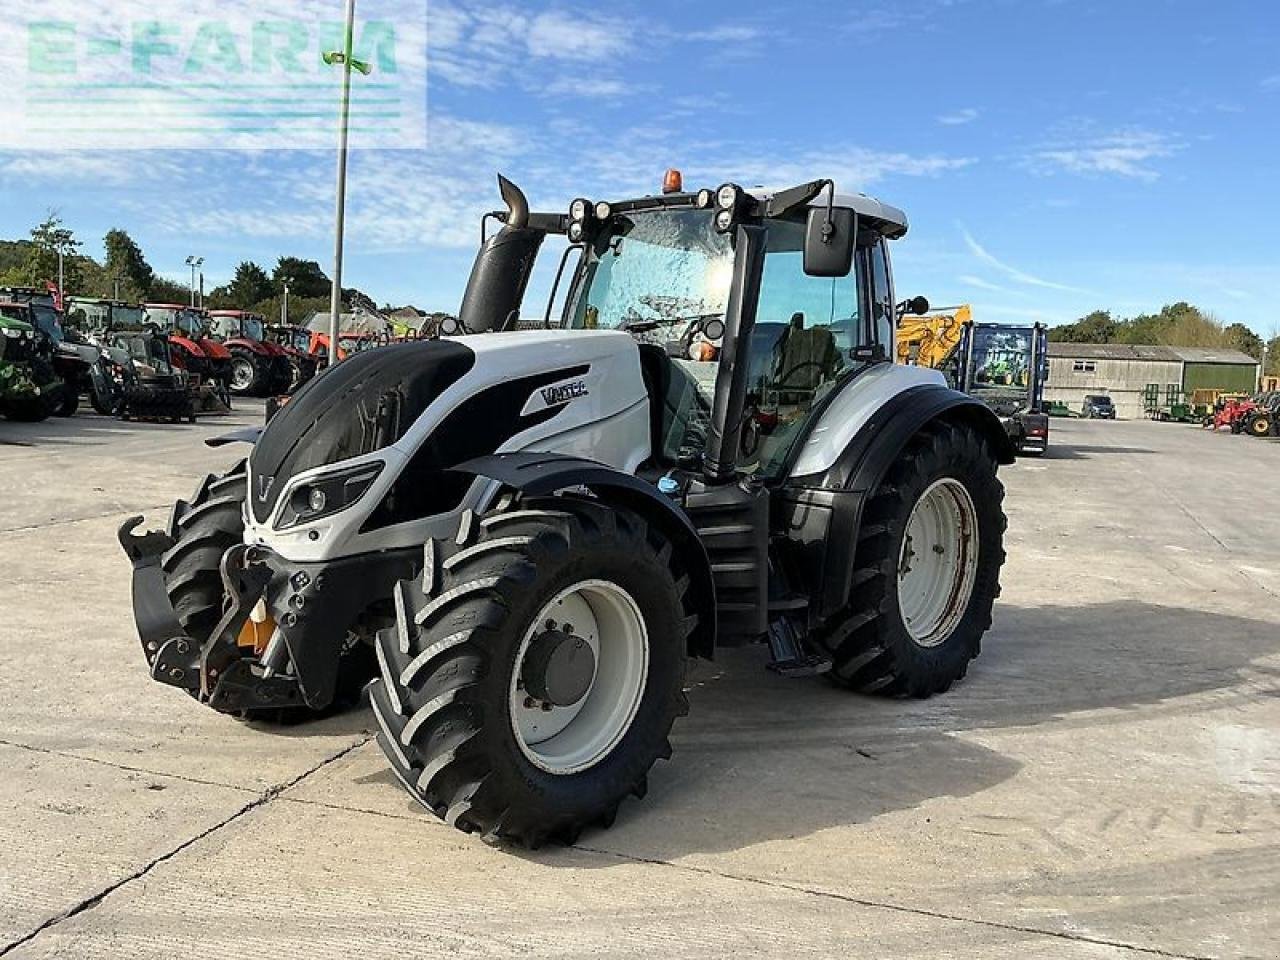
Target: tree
1097,327
1239,337
1273,357
305,278
126,263
40,261
247,289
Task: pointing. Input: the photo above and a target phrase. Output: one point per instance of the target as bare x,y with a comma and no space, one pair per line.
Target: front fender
541,474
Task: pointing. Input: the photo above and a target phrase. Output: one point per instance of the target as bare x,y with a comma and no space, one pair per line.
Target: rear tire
250,373
448,703
68,401
873,647
1260,426
203,530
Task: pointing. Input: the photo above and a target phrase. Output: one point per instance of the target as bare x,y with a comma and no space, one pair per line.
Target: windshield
1001,362
252,327
301,340
127,318
655,270
48,321
191,323
1100,401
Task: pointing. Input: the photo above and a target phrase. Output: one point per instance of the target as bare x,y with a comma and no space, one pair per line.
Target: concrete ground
1105,784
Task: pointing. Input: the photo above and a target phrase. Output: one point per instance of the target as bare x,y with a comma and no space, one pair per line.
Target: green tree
305,278
40,261
247,289
126,263
1097,327
1239,337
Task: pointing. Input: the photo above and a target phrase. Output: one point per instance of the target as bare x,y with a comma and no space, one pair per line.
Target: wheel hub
559,666
938,563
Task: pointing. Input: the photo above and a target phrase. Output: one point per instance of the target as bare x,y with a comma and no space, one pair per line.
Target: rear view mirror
828,241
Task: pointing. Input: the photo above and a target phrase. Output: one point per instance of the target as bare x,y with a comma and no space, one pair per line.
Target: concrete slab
1105,783
328,884
72,828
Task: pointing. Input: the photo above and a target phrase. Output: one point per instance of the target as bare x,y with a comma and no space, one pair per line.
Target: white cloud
1272,82
1126,153
959,117
1021,276
981,284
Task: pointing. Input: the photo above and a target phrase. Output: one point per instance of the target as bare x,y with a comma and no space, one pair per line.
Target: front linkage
308,610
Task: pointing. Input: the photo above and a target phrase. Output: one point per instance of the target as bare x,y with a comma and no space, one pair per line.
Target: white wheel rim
938,563
241,374
565,740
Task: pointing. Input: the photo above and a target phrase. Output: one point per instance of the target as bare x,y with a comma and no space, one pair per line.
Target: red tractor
191,348
1234,413
261,366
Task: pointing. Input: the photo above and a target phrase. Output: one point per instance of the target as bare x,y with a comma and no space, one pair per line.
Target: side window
805,329
882,306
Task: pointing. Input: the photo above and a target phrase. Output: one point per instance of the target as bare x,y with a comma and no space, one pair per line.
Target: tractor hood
364,404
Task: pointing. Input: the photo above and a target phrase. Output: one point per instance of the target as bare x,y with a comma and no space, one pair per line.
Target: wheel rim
569,739
938,563
241,374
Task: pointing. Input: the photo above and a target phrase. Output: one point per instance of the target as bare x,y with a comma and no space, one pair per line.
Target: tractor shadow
763,759
1079,451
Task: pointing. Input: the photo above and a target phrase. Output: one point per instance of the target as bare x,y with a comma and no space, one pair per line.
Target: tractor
260,366
61,350
524,536
29,390
207,362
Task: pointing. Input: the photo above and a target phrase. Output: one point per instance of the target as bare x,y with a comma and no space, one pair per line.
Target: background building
1122,371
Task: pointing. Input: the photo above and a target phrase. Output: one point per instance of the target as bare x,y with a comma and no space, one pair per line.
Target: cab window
806,328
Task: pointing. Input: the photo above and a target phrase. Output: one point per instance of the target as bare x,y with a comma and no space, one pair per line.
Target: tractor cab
752,299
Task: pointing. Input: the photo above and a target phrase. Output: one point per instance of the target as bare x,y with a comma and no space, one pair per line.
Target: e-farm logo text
219,76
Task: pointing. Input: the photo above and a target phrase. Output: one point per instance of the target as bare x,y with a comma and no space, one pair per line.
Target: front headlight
324,496
13,332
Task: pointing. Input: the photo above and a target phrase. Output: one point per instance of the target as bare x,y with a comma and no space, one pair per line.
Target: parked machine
28,387
260,366
135,377
528,533
1004,366
64,350
206,361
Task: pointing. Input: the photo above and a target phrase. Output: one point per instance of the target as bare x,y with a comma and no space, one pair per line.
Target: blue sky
1054,157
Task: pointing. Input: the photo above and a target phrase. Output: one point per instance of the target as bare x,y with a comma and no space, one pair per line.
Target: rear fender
541,474
829,504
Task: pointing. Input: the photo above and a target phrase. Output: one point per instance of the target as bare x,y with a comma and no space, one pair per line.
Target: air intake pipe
502,268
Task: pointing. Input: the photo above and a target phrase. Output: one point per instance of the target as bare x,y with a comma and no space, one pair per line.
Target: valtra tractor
528,534
206,361
260,366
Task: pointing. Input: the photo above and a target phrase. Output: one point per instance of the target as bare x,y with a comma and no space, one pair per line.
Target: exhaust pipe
501,271
517,204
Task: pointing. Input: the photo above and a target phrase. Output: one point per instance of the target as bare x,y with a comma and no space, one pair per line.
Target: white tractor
525,534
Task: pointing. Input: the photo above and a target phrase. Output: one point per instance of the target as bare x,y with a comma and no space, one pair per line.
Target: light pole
348,63
115,288
284,306
195,263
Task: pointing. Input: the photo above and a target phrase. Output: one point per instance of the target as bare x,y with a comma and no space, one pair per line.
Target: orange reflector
256,635
673,182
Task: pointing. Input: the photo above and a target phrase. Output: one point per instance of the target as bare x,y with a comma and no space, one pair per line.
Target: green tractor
29,390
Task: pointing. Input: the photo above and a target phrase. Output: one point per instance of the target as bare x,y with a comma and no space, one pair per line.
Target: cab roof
886,219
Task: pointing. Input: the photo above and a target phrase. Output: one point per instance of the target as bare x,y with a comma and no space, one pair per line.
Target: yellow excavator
928,339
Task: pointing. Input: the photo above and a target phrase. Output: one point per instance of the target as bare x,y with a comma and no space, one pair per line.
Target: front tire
454,725
926,569
203,530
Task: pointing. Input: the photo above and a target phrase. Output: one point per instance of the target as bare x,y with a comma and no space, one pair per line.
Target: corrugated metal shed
1207,355
1112,351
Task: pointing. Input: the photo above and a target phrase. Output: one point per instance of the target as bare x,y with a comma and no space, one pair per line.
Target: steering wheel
781,382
